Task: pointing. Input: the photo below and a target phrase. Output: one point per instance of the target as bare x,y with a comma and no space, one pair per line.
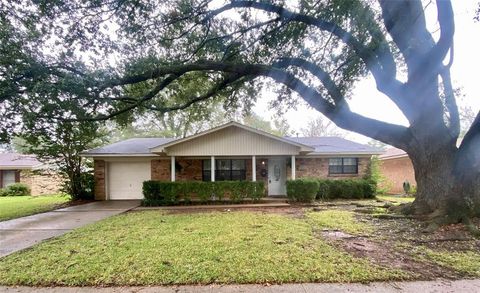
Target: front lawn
338,220
146,248
12,207
396,199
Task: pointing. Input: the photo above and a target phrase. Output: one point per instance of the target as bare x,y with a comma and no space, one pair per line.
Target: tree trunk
445,192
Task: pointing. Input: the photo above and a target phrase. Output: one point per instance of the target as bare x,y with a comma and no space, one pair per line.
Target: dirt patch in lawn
389,245
385,256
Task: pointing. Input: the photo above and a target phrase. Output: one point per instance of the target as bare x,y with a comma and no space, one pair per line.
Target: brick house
229,152
19,168
397,168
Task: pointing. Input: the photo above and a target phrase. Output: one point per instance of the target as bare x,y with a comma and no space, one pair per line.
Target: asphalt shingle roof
18,160
130,146
393,153
326,145
330,144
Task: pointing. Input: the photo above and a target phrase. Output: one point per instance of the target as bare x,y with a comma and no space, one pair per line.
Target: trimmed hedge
346,189
173,193
16,189
302,190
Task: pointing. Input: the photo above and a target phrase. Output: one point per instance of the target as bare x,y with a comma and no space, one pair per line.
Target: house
19,168
397,168
229,152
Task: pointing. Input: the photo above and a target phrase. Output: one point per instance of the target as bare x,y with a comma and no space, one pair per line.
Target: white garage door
125,179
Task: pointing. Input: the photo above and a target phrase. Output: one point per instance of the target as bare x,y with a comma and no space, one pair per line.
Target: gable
231,141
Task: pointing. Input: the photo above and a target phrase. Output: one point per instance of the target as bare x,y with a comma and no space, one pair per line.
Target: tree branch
376,64
150,95
340,115
212,92
451,104
447,30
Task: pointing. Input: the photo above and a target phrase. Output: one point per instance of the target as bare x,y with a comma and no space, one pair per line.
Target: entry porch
273,170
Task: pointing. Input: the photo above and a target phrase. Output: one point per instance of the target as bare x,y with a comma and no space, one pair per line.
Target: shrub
346,189
302,190
87,181
171,193
406,187
16,189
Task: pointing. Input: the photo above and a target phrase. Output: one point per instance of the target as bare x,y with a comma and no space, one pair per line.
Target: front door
277,176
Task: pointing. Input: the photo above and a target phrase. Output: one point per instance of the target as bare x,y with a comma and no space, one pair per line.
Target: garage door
125,179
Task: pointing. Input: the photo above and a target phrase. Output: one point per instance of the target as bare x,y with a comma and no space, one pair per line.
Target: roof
310,145
393,153
132,146
18,161
336,145
302,146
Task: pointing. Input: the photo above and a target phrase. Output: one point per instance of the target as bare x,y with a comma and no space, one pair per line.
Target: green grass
338,220
146,248
466,262
12,207
396,199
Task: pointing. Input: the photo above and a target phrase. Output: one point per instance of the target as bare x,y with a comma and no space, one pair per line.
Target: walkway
21,233
419,286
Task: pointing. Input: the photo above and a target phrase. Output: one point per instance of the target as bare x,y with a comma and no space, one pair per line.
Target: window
8,178
225,169
343,166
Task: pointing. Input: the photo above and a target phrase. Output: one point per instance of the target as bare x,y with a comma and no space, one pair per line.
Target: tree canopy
97,60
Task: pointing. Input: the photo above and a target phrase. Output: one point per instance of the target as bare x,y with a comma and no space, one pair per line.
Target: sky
366,100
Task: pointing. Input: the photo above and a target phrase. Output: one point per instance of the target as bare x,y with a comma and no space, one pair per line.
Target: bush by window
302,190
15,189
346,189
183,192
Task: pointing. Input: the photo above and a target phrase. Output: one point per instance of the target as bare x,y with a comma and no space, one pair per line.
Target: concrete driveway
18,234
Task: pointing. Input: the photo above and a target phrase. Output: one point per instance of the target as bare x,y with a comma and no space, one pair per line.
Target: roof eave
89,155
346,153
394,157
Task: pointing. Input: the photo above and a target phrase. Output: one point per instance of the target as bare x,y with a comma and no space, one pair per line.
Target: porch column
212,168
293,168
172,168
254,168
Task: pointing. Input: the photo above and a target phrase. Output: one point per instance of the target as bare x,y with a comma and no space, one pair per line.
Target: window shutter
1,179
17,176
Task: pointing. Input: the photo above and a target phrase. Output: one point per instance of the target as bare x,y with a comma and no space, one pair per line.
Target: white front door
277,176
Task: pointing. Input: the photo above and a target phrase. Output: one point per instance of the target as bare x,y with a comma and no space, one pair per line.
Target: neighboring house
229,152
397,168
19,168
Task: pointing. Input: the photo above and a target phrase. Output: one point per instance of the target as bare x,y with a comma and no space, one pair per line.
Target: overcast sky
368,101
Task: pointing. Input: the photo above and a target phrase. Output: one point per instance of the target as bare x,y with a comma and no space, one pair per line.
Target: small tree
61,144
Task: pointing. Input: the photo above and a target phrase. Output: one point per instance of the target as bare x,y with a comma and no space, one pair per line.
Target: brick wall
318,168
397,171
99,175
190,170
186,170
42,182
160,170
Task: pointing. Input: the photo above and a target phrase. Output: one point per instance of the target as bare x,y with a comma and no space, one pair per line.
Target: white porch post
254,168
212,168
172,168
293,168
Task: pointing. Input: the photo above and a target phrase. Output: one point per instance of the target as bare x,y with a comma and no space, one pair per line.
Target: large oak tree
57,55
